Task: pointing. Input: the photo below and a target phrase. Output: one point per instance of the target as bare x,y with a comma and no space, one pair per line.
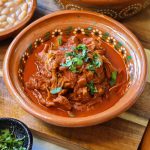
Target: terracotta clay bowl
117,9
135,61
10,32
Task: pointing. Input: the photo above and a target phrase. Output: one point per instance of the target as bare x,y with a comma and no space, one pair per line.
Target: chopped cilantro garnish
105,36
95,62
92,88
30,49
69,54
84,53
118,46
68,63
56,90
81,47
59,40
46,36
87,59
73,68
91,67
129,57
8,141
113,78
89,28
77,61
76,58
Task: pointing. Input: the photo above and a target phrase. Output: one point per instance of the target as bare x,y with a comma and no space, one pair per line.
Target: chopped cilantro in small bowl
14,135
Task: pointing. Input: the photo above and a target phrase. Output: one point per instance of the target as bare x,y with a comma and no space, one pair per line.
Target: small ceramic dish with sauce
75,73
14,15
15,135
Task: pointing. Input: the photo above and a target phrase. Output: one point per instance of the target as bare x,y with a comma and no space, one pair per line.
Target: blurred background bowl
12,31
117,9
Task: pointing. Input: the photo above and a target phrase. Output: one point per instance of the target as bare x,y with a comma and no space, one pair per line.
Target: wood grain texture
116,134
145,145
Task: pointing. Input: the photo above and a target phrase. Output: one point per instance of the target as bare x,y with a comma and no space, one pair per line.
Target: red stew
75,76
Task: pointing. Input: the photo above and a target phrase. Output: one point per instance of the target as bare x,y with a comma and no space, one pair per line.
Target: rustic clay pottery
118,9
14,30
137,65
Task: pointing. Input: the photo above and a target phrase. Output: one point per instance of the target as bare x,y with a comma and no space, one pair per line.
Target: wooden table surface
123,133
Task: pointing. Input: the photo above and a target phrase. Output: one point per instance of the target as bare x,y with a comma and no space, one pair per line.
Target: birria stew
75,74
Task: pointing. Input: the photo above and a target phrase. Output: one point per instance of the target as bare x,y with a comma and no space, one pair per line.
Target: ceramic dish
113,33
113,8
14,15
19,129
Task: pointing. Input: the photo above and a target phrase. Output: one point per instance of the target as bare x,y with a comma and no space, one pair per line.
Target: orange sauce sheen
111,54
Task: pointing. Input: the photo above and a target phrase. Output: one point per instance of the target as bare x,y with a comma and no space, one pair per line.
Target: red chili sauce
75,76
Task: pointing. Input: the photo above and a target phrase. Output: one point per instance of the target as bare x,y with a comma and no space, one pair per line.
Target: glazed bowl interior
62,20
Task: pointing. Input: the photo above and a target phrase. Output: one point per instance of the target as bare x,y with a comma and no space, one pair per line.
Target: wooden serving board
124,132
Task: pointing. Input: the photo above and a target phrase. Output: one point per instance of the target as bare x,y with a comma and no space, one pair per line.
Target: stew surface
75,75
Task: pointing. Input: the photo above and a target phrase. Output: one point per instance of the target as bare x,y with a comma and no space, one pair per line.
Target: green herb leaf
8,141
84,53
30,49
77,57
77,61
129,58
56,90
68,63
46,36
95,55
89,28
73,68
95,62
87,59
92,88
114,75
88,31
69,54
91,67
81,47
113,78
105,36
59,40
118,46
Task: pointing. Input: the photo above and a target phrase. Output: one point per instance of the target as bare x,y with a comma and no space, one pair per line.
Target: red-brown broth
111,54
